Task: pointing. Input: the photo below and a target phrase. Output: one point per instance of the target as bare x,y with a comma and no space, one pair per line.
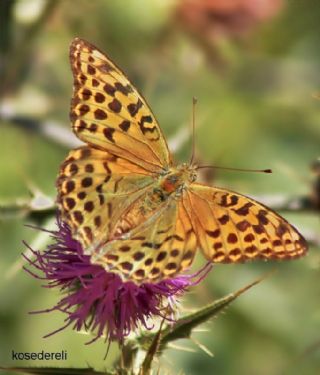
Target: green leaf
184,326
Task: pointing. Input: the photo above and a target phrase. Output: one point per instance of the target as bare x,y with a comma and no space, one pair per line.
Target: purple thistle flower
98,300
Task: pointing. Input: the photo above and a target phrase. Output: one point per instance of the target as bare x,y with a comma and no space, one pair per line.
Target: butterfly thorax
177,179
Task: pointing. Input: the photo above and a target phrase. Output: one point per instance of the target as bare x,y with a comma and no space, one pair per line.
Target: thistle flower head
100,301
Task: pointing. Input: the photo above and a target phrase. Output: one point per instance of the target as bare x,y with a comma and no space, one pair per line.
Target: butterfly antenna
235,169
194,102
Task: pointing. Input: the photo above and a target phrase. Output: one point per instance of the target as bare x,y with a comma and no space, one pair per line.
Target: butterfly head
178,178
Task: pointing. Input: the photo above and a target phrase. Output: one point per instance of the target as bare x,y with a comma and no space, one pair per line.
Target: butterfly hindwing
233,228
94,187
109,113
161,247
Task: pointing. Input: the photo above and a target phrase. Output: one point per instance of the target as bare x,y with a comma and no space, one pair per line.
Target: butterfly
133,210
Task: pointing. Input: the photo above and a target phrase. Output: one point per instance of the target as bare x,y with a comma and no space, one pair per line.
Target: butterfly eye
192,176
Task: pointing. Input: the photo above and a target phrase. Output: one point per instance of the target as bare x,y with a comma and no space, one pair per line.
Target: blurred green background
255,68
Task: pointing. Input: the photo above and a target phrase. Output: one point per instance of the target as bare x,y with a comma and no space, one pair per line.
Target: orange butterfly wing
94,189
163,246
233,228
108,112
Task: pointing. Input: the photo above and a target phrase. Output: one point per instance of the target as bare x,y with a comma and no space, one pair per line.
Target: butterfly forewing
234,228
109,113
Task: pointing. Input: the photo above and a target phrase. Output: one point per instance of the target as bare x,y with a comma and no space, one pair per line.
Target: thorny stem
127,358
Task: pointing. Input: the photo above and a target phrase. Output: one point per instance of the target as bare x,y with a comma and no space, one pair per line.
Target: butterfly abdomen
140,212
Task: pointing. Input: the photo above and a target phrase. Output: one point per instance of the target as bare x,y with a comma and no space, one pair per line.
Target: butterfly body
133,211
178,179
167,186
